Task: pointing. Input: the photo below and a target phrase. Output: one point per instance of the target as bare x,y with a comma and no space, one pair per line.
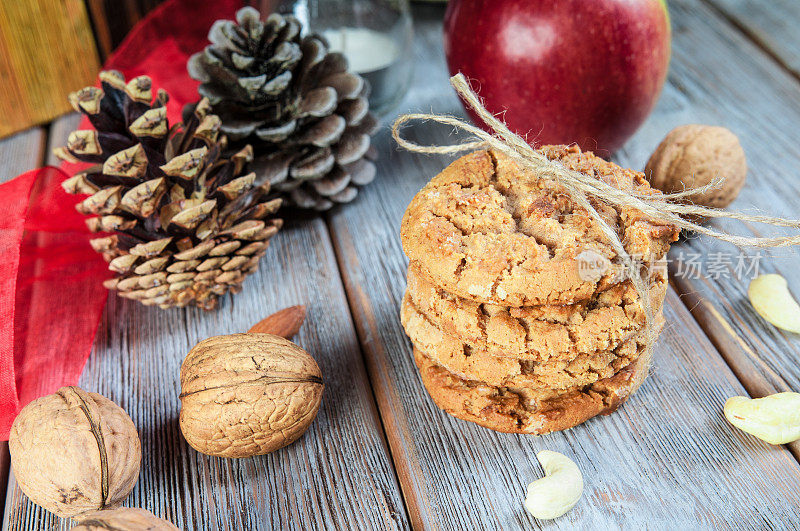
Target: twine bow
661,208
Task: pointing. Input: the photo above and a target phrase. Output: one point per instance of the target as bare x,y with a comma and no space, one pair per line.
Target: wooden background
46,52
49,48
380,455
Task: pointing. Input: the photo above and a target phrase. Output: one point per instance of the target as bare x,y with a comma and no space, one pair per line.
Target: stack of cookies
520,314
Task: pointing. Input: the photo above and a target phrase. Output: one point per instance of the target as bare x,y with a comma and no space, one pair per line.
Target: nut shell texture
691,156
247,394
123,519
74,452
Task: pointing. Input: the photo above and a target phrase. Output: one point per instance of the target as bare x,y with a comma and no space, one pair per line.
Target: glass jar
375,36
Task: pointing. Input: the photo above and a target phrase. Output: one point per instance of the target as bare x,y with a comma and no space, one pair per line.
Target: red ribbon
51,293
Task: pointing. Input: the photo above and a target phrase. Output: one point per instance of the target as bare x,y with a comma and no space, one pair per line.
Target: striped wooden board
773,27
719,76
18,153
636,457
47,50
339,474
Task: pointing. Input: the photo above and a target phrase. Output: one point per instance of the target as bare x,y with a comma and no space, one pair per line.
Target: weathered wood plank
18,154
719,77
46,51
772,25
667,459
59,130
755,374
338,475
21,152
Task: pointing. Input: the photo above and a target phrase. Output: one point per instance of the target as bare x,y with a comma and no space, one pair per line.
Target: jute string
658,208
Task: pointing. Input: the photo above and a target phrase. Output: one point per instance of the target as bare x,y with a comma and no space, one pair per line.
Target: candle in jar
377,57
366,50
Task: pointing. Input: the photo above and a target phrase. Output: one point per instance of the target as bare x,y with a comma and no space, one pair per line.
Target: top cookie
489,231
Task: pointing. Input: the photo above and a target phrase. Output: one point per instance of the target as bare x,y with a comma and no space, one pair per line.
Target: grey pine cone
305,115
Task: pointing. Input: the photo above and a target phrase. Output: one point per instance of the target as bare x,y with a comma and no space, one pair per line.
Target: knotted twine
661,208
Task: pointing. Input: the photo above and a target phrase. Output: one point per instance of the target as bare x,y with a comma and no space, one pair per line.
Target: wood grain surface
719,76
46,51
667,459
18,153
21,152
771,25
338,475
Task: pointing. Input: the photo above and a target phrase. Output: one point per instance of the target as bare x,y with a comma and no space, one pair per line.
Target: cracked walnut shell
691,156
122,519
247,394
75,452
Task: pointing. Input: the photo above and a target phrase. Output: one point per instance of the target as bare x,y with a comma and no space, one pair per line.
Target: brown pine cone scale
187,224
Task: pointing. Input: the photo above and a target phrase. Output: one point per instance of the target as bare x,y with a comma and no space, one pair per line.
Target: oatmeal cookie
537,332
518,410
486,230
465,362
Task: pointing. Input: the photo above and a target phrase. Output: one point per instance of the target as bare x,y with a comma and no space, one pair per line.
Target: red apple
584,71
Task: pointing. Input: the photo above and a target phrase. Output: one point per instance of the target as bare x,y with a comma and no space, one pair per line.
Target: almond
285,323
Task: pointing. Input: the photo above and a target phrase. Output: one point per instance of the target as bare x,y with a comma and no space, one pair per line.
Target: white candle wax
366,50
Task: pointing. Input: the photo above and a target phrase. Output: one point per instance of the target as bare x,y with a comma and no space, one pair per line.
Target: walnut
247,394
691,156
74,452
123,519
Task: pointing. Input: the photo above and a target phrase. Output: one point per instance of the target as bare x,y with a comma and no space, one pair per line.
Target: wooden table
380,454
